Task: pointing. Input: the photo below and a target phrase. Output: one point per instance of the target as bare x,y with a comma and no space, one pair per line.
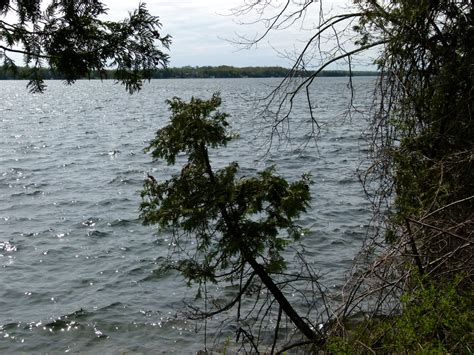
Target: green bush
435,318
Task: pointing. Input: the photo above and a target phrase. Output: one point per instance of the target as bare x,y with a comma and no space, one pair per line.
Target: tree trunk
258,268
281,299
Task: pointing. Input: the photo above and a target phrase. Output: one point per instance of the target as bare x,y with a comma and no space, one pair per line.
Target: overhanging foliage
68,37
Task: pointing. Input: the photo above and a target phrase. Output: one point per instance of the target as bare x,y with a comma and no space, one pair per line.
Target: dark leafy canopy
423,130
227,215
68,37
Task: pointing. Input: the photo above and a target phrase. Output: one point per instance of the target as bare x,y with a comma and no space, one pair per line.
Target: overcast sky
200,28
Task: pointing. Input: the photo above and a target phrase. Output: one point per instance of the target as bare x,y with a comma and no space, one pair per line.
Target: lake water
76,265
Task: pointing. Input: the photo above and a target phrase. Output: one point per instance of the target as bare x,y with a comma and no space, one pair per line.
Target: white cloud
199,29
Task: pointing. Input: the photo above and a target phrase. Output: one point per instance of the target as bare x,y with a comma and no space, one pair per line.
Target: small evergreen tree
235,222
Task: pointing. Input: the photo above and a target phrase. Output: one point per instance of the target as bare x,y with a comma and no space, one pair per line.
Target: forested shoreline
222,71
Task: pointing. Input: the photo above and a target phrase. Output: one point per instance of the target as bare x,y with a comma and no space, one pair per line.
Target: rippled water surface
76,265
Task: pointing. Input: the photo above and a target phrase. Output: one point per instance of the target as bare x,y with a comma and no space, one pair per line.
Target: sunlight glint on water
76,265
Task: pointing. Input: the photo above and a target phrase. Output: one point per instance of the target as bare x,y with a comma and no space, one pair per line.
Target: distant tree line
225,71
222,71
